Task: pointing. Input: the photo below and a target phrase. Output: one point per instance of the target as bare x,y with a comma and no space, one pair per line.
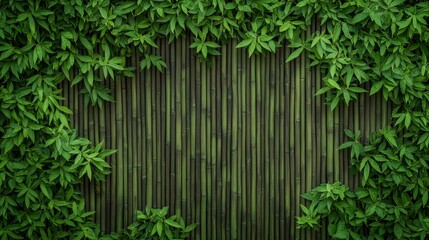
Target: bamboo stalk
214,147
240,141
276,187
234,145
149,159
135,148
253,143
264,163
208,144
336,133
170,73
283,181
272,143
143,162
187,91
157,137
228,143
160,130
138,182
180,176
288,149
168,156
128,171
219,148
259,154
246,167
98,190
203,166
119,176
224,139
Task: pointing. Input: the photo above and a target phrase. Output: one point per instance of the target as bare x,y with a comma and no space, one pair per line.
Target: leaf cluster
383,43
392,201
154,224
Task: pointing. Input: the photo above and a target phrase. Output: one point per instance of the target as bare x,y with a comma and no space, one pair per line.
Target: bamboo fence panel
231,144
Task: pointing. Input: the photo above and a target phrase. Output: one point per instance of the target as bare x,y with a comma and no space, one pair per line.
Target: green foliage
384,42
392,201
154,224
42,164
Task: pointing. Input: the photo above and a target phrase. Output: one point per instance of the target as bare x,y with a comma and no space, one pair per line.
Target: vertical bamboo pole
180,176
297,138
276,190
126,145
138,181
336,134
203,169
145,146
234,146
157,137
170,194
209,196
240,149
264,156
290,147
135,146
259,152
244,145
192,167
224,137
101,136
187,93
219,149
149,143
283,147
166,96
253,143
214,147
228,143
119,177
272,144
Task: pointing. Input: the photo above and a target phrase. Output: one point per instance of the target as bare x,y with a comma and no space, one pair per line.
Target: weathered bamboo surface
230,145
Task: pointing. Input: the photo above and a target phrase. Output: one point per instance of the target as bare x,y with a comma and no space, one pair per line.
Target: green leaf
359,17
334,84
425,198
103,12
251,49
407,120
159,228
335,102
32,24
90,77
390,137
366,172
173,223
397,229
343,234
376,87
190,227
345,145
45,191
295,54
22,17
245,42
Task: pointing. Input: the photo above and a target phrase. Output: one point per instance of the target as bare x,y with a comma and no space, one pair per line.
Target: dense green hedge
42,160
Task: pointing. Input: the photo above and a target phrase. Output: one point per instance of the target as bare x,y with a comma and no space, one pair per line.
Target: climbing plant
43,161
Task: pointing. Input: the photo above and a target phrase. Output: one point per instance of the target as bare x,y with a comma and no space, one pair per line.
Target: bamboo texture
231,145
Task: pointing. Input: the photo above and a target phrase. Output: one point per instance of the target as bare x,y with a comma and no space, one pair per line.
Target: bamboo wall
231,146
